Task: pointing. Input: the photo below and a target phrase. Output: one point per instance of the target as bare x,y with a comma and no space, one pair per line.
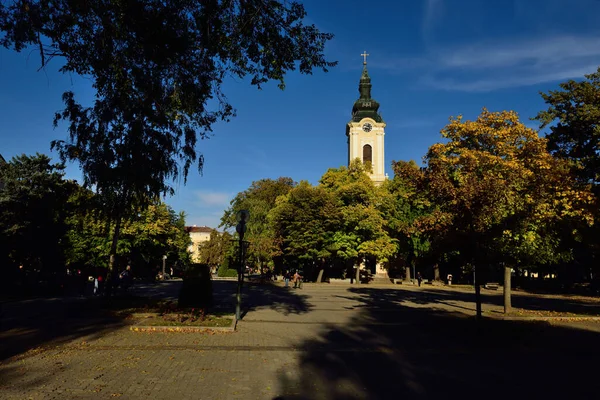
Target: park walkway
321,342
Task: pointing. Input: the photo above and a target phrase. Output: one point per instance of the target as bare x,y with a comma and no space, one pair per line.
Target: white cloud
488,66
535,52
432,13
503,81
212,199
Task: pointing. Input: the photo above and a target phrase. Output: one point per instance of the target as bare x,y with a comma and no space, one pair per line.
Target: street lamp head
243,216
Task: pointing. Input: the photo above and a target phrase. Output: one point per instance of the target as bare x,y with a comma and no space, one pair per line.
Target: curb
549,319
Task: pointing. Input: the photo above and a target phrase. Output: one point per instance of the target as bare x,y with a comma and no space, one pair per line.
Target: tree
304,222
87,242
32,214
405,207
145,238
214,251
156,231
258,199
159,89
573,117
362,235
500,188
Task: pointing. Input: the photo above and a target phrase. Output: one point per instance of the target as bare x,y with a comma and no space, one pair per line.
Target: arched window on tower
368,156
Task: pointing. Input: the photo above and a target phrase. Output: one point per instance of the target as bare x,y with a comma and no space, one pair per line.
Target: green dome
365,106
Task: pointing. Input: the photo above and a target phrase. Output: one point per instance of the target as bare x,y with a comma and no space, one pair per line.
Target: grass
518,312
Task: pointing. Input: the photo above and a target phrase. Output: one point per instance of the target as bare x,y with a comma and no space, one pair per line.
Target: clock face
367,127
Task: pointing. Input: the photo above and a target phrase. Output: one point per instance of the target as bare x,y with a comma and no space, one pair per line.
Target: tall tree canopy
573,116
32,212
258,199
573,119
304,223
215,250
362,231
146,236
408,210
501,191
157,68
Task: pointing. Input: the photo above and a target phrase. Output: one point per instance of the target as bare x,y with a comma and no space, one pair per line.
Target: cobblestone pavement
321,342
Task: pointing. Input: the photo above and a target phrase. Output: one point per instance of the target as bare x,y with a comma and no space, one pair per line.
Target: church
366,130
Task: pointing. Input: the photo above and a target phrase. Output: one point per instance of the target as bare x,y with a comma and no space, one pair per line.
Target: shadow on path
30,324
259,296
390,351
443,297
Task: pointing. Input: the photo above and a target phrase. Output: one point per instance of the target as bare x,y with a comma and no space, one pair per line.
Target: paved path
321,342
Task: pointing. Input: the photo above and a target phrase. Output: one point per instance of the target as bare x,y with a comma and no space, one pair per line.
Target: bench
491,286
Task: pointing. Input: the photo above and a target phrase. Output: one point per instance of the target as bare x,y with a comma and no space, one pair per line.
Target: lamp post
164,263
242,217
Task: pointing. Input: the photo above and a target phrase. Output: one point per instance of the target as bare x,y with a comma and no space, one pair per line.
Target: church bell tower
366,130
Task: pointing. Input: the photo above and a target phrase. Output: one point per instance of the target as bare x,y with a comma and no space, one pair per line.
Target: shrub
225,271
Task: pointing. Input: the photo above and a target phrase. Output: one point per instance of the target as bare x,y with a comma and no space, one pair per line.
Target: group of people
296,279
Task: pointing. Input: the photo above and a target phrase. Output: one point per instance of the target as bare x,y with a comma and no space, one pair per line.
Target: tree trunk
112,265
436,272
477,293
320,277
358,274
507,302
407,273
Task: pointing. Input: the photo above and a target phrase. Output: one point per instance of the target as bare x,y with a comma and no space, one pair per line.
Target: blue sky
429,60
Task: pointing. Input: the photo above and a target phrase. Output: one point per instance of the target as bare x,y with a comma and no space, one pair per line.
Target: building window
367,154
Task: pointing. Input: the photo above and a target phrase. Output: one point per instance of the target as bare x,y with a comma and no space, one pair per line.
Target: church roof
198,229
365,106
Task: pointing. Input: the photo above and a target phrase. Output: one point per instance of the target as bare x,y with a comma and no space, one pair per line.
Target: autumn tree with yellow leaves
501,194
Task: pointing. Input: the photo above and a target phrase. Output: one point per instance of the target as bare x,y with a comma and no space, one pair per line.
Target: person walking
419,278
96,286
125,278
297,280
100,281
286,278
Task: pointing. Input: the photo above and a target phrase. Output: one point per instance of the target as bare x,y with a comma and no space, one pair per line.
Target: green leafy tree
87,238
305,221
145,238
214,251
157,231
362,235
259,199
499,188
157,90
572,118
32,215
405,207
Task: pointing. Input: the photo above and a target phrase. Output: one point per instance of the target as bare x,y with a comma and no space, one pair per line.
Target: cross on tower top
365,55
